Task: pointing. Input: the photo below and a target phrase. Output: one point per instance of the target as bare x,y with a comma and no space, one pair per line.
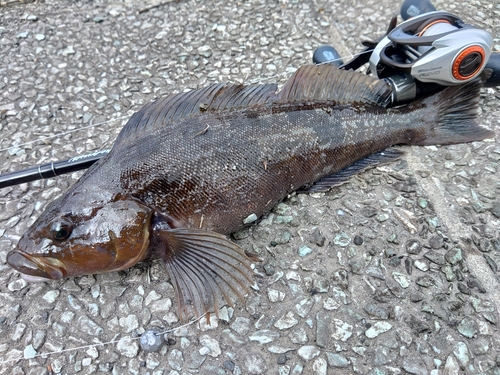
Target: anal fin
206,269
342,176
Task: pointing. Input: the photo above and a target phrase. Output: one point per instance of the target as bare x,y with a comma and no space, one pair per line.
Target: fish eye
61,230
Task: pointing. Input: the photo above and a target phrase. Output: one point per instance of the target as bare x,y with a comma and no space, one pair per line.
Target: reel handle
493,65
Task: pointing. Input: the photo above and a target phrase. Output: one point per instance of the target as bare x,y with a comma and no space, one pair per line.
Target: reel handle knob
327,55
413,8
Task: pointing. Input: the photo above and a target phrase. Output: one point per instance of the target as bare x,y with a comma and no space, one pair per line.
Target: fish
189,169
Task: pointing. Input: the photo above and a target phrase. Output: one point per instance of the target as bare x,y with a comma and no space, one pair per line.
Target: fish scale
188,169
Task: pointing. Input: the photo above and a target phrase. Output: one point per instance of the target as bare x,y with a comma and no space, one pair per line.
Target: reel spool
435,47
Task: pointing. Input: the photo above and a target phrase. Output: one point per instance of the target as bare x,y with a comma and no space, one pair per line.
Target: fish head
97,238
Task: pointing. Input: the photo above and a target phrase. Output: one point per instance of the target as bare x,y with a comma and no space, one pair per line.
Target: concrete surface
392,273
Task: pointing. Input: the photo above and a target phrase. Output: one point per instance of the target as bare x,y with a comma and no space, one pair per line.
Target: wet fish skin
190,168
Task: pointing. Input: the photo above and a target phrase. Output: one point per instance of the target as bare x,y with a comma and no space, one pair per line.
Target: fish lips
33,268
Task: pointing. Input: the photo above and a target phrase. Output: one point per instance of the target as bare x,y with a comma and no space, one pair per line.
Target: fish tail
451,116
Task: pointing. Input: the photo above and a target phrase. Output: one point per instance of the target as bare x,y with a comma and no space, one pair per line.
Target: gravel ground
394,272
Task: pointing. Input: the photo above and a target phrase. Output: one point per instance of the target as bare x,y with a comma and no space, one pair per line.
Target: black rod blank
51,170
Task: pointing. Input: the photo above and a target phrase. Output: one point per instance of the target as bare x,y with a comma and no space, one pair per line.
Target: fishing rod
406,57
49,170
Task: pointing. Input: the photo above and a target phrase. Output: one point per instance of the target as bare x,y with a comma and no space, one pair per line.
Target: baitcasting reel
425,53
436,47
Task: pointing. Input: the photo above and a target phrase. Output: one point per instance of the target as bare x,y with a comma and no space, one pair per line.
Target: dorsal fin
217,97
327,82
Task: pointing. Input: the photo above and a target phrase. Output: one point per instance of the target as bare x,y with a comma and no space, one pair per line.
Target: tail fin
455,111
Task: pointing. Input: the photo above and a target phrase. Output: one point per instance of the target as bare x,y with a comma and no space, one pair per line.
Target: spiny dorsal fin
327,82
217,97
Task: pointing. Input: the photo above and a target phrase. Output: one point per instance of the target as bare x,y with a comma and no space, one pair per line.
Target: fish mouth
34,269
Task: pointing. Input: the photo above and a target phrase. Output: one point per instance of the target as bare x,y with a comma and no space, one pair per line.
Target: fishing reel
436,47
425,53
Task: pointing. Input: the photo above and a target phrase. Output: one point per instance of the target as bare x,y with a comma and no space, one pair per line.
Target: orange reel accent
462,56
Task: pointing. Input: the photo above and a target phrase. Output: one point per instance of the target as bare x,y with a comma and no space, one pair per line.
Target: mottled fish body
189,168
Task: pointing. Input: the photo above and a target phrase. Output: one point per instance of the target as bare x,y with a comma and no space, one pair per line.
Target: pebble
413,247
175,359
468,327
304,250
436,242
377,311
161,306
415,366
264,336
205,51
254,364
229,338
286,321
435,257
448,272
195,360
229,365
495,209
342,239
17,284
298,335
303,307
382,217
369,211
308,352
38,339
250,219
375,272
322,329
421,265
461,352
337,360
358,240
51,297
275,295
282,237
29,352
88,326
129,323
127,347
69,50
425,281
241,325
281,349
377,329
331,304
451,367
19,330
212,345
480,346
402,280
341,330
320,366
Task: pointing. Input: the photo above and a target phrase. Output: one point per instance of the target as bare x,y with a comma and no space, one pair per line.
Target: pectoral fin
206,269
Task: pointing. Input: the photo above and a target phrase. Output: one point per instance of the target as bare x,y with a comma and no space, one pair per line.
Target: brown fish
188,169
